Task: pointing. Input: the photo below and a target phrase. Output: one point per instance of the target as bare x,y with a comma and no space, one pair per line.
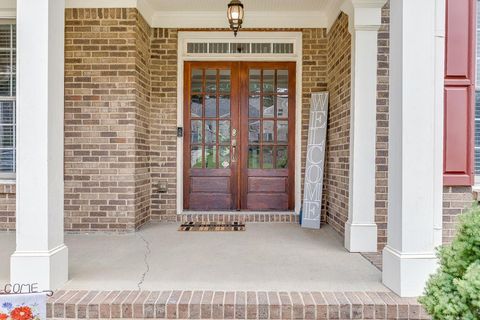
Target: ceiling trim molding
8,14
100,4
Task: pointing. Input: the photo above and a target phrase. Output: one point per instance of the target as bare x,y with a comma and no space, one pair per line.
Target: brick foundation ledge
231,305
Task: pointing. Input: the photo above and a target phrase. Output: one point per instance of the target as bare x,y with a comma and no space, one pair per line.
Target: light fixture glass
235,15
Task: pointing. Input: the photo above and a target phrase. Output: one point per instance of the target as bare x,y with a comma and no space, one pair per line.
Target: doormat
212,226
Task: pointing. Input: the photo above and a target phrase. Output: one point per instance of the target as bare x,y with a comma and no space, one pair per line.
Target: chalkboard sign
317,132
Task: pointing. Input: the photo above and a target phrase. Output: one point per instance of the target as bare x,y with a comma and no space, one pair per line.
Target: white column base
49,269
407,274
361,237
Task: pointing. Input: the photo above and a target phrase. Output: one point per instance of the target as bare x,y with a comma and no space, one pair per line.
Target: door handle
234,150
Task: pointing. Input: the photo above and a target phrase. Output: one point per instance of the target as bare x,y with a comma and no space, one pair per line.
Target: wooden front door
239,139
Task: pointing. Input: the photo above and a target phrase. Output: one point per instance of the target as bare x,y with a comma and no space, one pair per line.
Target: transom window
7,99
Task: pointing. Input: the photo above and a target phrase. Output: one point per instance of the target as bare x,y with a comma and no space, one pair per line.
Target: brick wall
314,64
142,120
455,201
163,157
7,207
336,178
105,120
381,152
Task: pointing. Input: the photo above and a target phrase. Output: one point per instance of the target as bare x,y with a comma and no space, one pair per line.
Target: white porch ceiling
212,13
250,5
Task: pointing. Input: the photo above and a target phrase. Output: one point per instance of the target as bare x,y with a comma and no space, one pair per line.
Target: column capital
364,15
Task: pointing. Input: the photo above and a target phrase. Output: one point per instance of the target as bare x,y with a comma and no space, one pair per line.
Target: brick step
247,216
231,305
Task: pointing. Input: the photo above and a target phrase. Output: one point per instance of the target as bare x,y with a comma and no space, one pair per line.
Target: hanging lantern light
235,15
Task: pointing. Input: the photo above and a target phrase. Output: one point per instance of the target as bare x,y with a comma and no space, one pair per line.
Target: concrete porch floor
280,257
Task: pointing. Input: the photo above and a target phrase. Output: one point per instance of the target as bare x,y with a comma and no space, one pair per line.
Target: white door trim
244,36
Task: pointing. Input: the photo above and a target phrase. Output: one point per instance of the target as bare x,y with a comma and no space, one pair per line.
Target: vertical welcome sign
317,132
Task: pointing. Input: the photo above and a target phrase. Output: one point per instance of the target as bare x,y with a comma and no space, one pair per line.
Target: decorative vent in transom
240,48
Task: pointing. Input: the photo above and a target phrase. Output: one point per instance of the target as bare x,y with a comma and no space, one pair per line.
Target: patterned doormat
212,226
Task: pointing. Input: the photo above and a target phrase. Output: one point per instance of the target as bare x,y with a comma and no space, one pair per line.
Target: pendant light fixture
235,15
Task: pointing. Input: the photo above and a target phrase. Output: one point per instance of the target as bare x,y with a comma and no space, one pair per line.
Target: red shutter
459,93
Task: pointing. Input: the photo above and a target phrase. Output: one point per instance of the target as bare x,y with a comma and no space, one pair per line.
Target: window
7,100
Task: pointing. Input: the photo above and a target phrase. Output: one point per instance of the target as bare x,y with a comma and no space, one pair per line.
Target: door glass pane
196,156
211,80
196,106
225,81
253,157
197,80
268,81
224,156
196,131
268,107
254,131
282,106
210,106
254,107
254,80
224,106
224,131
282,157
267,131
282,81
267,157
210,157
210,131
282,131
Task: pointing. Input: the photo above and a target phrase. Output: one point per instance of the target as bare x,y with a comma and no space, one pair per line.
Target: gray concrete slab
265,257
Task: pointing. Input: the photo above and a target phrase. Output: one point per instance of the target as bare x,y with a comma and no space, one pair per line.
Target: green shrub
454,291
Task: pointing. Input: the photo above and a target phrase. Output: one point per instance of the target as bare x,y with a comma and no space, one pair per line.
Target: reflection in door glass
211,80
224,106
224,81
254,106
196,106
196,131
253,157
196,157
282,81
282,131
210,106
282,106
254,80
224,131
268,81
254,131
282,157
210,157
268,131
268,107
210,131
197,80
267,157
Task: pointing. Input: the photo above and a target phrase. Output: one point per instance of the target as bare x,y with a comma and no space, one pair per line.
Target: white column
365,20
415,150
41,256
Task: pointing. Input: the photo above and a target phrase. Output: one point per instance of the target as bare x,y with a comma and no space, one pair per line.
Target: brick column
40,256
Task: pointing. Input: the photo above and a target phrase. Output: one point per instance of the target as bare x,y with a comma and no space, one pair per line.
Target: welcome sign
317,132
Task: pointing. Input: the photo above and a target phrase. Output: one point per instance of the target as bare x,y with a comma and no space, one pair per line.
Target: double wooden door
239,141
